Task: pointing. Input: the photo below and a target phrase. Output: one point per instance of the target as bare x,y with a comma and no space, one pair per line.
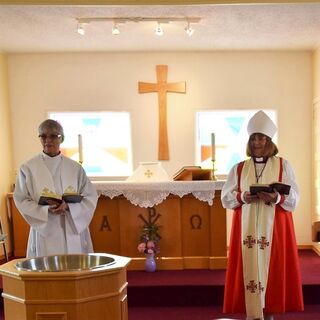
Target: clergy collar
48,156
260,159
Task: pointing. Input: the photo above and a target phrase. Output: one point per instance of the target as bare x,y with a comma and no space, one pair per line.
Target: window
231,137
105,141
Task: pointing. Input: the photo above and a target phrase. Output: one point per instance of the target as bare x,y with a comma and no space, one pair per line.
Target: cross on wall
162,87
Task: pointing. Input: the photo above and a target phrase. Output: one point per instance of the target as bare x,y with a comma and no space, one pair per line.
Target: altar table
191,218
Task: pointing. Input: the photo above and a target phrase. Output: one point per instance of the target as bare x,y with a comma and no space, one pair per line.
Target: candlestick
80,150
213,170
213,147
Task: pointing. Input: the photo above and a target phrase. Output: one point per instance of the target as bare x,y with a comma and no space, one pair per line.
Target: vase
150,265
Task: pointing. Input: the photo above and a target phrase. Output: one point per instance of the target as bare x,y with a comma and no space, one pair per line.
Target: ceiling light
189,30
159,31
80,29
115,29
117,20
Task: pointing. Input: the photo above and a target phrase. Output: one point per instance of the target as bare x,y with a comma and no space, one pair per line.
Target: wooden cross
162,87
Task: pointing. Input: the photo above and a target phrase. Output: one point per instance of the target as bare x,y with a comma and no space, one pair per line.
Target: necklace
258,176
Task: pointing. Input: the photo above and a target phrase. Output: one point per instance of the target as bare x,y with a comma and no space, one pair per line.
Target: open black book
70,198
282,188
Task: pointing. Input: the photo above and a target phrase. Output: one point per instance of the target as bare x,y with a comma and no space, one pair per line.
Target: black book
67,197
282,188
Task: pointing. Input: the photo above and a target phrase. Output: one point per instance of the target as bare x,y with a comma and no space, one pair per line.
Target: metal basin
70,262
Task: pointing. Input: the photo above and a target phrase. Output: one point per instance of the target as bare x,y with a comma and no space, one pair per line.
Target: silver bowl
68,262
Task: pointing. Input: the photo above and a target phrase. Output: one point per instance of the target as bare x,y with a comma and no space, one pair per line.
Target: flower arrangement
149,239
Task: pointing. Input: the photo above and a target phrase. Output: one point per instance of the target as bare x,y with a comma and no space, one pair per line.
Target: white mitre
261,123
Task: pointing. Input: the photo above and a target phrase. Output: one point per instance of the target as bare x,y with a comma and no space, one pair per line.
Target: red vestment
284,290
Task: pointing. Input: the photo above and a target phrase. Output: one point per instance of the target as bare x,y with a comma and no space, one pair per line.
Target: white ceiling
222,27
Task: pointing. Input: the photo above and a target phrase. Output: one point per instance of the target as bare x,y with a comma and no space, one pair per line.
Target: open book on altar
193,173
282,188
69,196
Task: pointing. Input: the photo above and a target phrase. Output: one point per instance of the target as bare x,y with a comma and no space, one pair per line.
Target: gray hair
51,124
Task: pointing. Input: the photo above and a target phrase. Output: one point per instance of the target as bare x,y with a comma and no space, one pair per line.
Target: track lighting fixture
115,29
189,30
80,29
159,31
159,20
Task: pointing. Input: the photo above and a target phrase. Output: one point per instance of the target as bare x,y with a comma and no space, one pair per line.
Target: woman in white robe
57,228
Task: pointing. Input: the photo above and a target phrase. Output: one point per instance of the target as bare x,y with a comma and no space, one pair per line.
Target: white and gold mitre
261,123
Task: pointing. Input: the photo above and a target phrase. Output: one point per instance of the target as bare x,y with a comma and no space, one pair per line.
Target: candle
213,147
80,151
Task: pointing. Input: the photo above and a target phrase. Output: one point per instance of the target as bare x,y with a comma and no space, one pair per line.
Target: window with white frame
100,140
231,137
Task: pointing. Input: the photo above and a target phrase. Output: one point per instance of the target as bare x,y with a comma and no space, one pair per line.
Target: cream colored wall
5,145
215,80
316,141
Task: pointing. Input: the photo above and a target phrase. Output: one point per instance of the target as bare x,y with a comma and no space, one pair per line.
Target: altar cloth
149,194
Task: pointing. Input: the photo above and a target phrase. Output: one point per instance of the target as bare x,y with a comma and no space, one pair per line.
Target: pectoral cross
162,87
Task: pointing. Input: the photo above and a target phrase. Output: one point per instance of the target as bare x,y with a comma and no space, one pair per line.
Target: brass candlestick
214,178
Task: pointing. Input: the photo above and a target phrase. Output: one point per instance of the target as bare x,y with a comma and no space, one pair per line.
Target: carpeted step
178,288
175,296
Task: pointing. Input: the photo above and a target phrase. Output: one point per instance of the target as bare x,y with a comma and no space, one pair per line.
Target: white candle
213,147
80,148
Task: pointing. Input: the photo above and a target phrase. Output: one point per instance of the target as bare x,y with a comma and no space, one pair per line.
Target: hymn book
69,196
282,188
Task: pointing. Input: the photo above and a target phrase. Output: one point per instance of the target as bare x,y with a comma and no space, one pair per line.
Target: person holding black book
44,183
263,273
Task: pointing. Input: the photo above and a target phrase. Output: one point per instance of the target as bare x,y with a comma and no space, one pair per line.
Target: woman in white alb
57,228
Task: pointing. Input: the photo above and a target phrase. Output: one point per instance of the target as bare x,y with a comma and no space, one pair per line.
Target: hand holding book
280,187
58,208
50,198
268,193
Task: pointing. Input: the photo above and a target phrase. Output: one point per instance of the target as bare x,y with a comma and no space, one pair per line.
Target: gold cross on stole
162,87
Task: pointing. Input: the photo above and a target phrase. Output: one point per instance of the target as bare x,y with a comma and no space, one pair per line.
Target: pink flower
142,247
150,245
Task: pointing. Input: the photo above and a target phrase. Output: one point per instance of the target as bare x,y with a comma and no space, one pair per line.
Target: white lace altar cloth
149,194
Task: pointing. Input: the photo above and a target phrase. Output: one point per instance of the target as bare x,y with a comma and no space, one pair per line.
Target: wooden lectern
193,173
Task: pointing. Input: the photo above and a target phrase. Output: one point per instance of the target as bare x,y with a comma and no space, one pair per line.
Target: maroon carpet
309,263
310,267
198,294
312,312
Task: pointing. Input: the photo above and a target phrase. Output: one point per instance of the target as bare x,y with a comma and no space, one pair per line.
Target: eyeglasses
50,136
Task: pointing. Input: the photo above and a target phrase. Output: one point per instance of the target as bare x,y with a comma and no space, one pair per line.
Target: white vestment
52,234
